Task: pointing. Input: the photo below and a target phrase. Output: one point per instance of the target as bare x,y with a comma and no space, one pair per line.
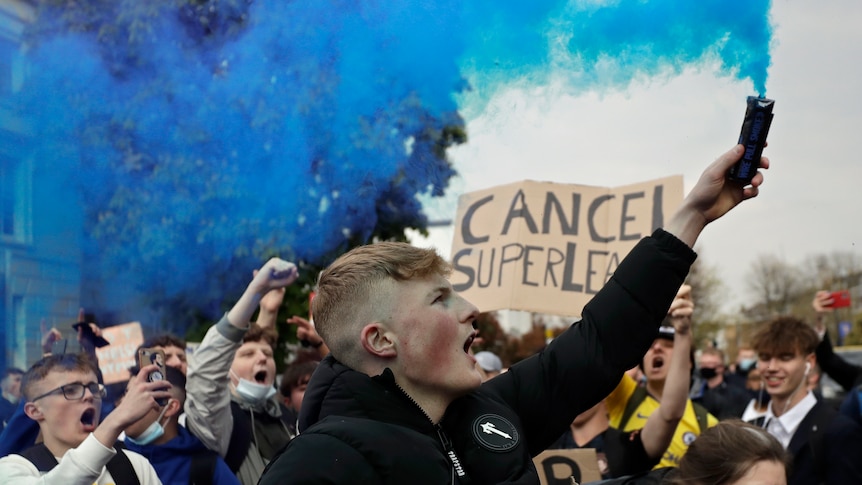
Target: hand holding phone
148,357
840,299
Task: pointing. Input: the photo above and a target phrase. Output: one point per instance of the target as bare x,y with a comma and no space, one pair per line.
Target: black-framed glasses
75,391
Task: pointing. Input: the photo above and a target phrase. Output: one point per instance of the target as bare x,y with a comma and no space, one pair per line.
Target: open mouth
657,363
88,419
469,342
260,377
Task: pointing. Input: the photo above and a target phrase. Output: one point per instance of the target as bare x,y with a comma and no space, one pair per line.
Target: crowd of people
390,391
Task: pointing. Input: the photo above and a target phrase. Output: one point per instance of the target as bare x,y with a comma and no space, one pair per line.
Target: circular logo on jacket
495,432
688,437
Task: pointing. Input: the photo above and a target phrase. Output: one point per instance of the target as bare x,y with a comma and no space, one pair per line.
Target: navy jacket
826,448
172,460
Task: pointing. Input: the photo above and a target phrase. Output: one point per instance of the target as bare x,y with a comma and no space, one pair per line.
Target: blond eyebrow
442,289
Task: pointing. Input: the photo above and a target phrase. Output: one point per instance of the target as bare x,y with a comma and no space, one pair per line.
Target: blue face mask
747,364
153,432
253,392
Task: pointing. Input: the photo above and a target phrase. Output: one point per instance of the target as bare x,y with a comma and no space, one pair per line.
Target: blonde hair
357,287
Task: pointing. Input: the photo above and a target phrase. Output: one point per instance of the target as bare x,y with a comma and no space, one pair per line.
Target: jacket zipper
441,435
450,451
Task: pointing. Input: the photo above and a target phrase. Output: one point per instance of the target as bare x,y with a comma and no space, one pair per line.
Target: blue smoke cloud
200,138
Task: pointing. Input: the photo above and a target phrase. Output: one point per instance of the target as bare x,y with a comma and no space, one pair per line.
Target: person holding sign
400,400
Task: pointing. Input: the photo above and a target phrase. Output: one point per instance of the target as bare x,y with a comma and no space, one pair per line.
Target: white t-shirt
84,465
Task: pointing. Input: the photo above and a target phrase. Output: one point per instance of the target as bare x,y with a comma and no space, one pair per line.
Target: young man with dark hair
177,456
64,397
400,399
294,382
825,445
173,347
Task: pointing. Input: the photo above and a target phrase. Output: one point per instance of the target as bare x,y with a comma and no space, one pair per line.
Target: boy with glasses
64,397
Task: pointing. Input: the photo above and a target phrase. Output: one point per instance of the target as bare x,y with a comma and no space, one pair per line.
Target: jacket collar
337,390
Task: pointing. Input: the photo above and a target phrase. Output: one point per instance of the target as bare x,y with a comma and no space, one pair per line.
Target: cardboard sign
115,359
558,467
547,247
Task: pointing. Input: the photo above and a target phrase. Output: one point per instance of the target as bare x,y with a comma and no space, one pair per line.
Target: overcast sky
809,202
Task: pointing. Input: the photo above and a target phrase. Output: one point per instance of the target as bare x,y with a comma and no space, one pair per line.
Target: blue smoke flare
201,137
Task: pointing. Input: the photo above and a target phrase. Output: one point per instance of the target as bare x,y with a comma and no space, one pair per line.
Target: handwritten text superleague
484,264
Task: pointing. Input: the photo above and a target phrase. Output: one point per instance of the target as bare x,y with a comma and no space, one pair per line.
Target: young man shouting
65,398
400,399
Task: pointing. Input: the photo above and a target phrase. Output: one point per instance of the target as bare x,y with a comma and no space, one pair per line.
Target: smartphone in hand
149,356
840,299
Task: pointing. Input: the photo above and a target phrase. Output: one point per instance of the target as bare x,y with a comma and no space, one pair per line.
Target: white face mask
252,391
153,432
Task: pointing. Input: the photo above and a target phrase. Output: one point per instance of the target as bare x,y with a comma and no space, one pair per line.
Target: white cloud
678,126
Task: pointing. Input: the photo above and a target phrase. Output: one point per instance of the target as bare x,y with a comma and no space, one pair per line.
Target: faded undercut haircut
80,362
785,335
726,452
350,291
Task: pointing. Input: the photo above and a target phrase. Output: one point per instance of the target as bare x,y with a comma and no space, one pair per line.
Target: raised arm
275,274
712,197
661,425
208,413
269,305
583,365
844,373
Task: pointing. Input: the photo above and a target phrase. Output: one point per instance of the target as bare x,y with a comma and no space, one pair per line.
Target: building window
14,191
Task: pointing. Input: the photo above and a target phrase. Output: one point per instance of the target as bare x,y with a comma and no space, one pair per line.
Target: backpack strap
41,457
702,416
119,466
240,438
121,469
632,404
203,467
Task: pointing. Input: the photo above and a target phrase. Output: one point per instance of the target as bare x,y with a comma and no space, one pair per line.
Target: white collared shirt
783,427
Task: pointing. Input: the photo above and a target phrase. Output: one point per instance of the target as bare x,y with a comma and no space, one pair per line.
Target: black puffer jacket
360,429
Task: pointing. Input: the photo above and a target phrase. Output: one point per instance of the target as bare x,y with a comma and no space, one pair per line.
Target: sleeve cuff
229,331
671,242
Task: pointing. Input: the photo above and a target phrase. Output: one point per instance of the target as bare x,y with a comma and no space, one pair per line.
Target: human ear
377,341
33,412
174,407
